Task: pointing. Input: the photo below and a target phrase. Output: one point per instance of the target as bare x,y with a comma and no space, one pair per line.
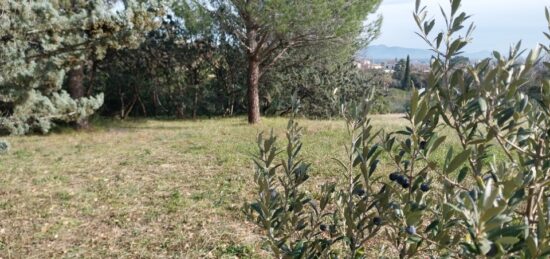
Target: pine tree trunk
195,104
77,91
253,92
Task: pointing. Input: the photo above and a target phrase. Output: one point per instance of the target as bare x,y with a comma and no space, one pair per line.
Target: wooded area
63,61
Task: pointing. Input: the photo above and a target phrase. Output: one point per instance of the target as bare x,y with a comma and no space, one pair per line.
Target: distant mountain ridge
383,52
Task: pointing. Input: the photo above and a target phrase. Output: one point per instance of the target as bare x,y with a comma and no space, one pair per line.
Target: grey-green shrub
4,146
42,40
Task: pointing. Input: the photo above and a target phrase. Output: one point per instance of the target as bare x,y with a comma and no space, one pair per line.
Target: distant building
362,64
389,66
370,65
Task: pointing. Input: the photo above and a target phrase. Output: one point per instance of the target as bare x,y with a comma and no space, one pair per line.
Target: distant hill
383,52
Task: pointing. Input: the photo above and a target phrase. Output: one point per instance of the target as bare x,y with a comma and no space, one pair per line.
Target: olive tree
487,197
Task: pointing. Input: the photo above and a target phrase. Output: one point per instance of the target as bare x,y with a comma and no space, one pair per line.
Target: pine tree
40,41
267,30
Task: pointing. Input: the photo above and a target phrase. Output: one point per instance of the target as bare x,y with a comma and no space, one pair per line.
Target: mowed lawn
147,188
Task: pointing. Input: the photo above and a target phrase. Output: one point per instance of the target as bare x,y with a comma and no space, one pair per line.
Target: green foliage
286,20
42,40
471,204
37,112
342,216
4,146
179,66
406,80
321,89
191,66
459,61
405,77
394,100
269,31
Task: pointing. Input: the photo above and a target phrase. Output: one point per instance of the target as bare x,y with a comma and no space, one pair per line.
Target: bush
4,146
469,205
397,100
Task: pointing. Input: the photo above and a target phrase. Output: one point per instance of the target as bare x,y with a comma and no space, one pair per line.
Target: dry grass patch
146,188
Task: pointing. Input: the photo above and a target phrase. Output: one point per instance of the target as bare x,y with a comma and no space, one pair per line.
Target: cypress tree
406,81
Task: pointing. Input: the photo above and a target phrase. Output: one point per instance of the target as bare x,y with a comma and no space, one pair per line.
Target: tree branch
274,60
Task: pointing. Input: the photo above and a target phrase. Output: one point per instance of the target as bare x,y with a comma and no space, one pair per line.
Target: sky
499,23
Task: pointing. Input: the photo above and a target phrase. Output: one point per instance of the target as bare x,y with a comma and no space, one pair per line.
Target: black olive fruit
323,227
411,230
424,187
393,176
400,179
359,192
405,184
493,251
473,195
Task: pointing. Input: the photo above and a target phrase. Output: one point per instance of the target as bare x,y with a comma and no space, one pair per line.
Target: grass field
146,189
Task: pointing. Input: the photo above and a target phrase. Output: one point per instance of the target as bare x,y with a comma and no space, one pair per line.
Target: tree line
64,60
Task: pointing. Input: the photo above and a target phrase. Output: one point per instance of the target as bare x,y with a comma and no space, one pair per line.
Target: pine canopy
41,40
